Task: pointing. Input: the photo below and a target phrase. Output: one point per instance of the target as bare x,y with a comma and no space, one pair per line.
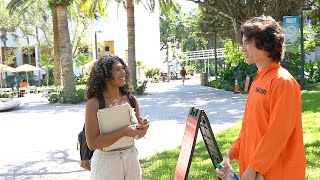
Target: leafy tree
233,53
82,59
92,6
62,45
7,24
313,15
140,66
231,14
46,62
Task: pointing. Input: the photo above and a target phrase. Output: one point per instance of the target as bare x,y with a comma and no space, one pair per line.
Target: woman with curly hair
109,79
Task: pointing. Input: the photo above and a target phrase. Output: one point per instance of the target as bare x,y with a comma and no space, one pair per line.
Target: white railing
204,54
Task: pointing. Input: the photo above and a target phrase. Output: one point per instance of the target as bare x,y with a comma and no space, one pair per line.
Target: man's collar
266,69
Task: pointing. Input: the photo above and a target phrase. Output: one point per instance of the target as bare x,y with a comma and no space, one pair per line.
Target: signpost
196,119
291,26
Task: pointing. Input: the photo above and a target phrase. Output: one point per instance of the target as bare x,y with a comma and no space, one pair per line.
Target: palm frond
15,5
167,5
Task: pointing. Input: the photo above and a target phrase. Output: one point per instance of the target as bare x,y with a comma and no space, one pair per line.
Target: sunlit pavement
39,140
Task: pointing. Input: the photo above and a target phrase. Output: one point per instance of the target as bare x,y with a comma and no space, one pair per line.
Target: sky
186,5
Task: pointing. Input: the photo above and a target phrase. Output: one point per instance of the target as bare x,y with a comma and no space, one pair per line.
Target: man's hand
226,164
249,174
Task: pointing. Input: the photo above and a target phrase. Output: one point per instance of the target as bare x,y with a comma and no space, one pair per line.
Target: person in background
183,74
271,138
109,78
23,85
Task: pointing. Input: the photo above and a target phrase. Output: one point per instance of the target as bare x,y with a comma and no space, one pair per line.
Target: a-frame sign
196,119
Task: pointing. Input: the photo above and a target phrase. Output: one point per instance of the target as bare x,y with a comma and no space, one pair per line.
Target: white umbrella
26,68
89,64
2,66
5,68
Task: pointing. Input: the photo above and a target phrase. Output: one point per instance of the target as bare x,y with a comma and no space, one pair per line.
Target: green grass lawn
312,87
163,164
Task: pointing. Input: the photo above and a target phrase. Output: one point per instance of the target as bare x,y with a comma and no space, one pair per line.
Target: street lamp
96,42
306,6
215,53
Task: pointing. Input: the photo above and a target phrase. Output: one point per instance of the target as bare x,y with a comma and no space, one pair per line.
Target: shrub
150,73
77,97
5,95
54,98
141,87
82,80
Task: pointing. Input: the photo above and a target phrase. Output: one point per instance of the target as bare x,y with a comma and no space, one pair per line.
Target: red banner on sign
186,151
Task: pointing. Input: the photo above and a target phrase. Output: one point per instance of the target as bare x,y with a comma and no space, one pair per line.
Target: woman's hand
131,131
137,130
143,126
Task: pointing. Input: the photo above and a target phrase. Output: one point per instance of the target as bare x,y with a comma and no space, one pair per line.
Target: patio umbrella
5,68
26,68
89,64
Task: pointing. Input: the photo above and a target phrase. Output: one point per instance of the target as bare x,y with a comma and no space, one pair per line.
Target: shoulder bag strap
132,100
102,103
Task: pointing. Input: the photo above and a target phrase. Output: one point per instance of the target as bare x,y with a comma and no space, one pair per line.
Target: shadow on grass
162,165
313,153
311,101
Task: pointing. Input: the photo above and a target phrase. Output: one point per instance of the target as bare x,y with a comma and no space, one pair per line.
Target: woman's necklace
114,101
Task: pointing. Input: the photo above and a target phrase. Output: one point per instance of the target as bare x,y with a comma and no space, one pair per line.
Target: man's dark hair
268,35
101,72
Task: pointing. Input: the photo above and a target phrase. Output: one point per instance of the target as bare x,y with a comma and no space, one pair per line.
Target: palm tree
61,39
140,66
91,6
56,54
65,48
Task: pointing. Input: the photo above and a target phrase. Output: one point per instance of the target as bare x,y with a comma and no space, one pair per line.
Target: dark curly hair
268,35
101,72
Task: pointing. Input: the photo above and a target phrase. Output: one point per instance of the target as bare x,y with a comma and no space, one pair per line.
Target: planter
8,103
5,99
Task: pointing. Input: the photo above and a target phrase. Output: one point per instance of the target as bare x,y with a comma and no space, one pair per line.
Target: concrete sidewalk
39,140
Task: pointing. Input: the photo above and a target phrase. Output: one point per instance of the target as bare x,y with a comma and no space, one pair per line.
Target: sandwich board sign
188,144
197,119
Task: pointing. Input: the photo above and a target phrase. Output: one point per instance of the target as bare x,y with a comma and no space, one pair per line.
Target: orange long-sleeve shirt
271,137
23,84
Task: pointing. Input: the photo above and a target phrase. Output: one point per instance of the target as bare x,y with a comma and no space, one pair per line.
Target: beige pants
115,165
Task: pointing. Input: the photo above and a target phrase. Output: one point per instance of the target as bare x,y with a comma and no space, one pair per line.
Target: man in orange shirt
23,83
23,86
271,138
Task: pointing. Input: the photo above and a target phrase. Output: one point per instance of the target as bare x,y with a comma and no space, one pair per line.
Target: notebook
112,119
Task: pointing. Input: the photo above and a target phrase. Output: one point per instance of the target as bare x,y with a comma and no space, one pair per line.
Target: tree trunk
168,65
68,81
56,58
131,43
47,76
38,55
237,30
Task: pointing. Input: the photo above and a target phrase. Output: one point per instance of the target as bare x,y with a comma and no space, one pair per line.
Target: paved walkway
39,140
